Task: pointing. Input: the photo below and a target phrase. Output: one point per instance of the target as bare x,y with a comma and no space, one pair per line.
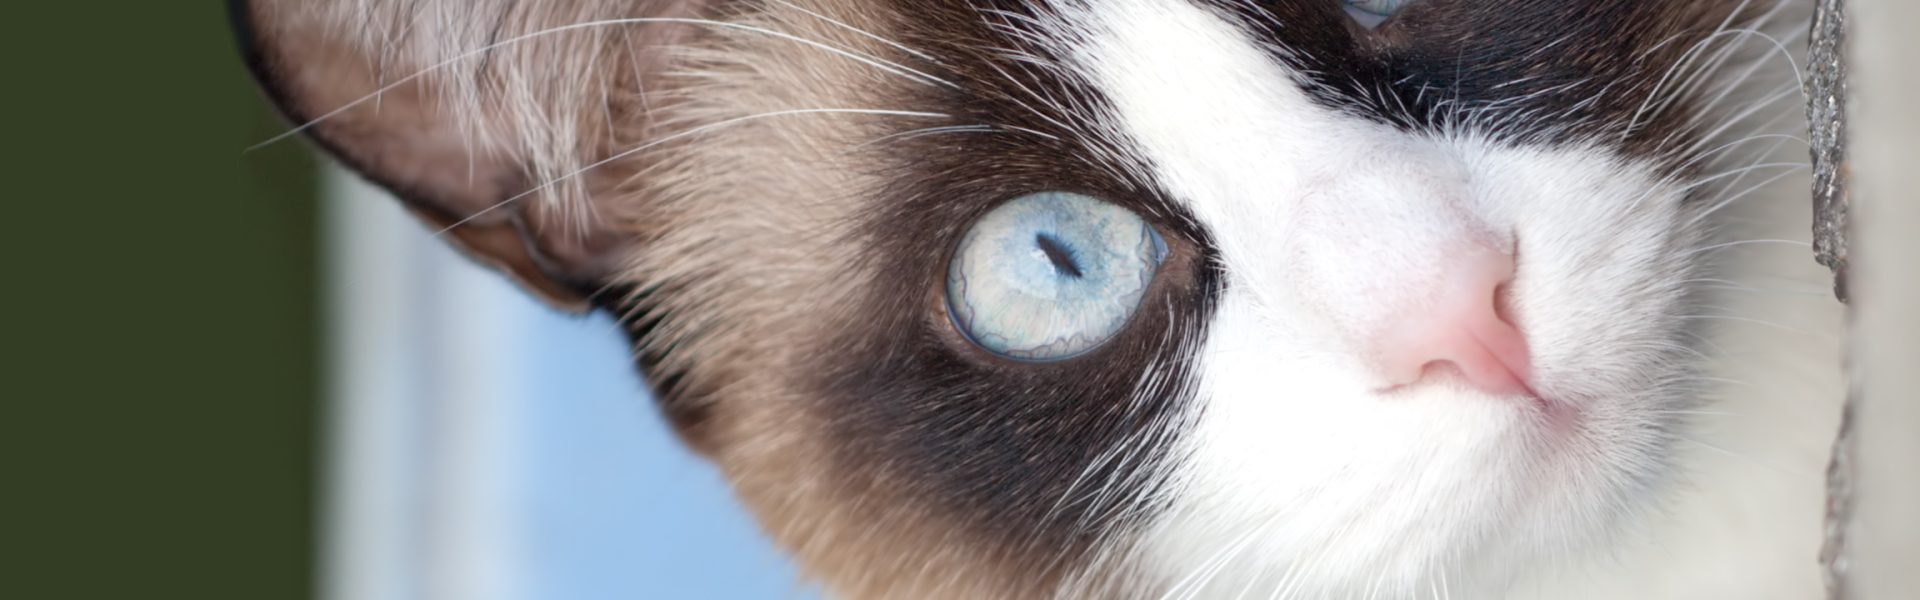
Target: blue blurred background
485,447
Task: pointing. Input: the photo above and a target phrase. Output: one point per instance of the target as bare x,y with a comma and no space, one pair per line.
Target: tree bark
1826,124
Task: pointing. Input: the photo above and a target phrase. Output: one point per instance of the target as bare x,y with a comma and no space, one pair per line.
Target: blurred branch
1875,541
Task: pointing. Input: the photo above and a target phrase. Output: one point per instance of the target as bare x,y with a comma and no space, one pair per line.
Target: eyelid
1370,13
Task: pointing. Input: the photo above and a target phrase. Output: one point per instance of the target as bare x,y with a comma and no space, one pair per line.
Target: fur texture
769,192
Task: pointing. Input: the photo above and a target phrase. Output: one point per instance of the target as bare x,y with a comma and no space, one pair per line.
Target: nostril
1465,327
1503,292
1503,303
1494,381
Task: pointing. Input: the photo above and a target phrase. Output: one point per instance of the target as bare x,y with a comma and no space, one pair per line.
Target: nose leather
1460,328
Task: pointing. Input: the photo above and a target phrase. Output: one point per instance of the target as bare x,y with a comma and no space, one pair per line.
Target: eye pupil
1058,254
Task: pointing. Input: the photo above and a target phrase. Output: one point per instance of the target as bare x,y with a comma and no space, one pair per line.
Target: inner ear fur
488,118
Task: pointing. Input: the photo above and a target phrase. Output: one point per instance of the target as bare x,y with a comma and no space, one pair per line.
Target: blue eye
1051,275
1380,8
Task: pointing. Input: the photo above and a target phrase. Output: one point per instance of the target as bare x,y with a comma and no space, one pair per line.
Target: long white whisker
1731,198
883,65
684,134
1724,245
861,32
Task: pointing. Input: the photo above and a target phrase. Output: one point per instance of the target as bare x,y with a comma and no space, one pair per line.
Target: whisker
684,134
1746,320
1757,106
861,32
1735,243
1751,460
1731,198
881,64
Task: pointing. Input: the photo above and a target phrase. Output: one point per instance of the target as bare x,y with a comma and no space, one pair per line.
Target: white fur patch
1297,476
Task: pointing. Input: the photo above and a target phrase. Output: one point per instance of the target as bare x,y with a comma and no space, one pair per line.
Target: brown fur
789,186
740,312
715,240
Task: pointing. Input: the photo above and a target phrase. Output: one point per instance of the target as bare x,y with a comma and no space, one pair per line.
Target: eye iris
1051,275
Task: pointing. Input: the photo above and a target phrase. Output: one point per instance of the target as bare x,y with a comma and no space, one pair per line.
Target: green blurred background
162,379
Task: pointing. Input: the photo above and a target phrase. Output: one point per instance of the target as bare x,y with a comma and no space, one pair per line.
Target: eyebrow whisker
878,63
681,135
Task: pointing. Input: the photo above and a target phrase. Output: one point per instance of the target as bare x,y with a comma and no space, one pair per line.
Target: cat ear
490,119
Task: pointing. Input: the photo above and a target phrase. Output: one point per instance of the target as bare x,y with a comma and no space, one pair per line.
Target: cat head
1001,298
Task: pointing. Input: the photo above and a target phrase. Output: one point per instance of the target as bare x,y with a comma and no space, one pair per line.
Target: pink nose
1462,329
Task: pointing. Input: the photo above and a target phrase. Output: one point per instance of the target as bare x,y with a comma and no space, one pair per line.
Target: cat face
1105,298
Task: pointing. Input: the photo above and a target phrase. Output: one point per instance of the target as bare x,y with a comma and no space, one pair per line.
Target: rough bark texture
1826,115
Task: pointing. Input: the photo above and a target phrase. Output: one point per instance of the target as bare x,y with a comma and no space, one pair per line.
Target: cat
1155,298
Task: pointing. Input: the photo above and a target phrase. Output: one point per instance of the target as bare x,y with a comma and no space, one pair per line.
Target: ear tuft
488,118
